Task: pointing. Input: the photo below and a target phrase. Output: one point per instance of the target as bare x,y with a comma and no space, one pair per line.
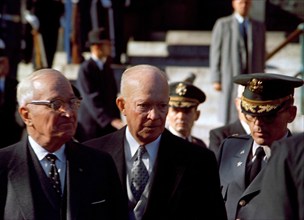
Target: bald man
175,170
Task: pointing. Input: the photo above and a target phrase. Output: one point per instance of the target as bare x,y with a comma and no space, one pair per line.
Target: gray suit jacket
283,183
185,184
217,135
26,193
240,201
227,50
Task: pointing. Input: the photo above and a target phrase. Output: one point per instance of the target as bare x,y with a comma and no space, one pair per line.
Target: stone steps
185,52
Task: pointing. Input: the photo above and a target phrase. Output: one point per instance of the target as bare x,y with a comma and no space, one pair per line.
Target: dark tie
257,163
53,173
243,29
139,174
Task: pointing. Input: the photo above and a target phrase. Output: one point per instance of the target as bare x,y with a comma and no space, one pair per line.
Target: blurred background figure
13,32
90,15
49,13
98,113
237,47
238,127
11,126
183,109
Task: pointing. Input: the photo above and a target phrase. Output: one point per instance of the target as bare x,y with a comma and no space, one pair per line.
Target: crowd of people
93,150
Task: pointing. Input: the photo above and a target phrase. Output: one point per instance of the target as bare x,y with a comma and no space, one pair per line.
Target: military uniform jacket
185,184
217,135
232,158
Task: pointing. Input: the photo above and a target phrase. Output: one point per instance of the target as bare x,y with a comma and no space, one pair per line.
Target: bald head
31,86
143,77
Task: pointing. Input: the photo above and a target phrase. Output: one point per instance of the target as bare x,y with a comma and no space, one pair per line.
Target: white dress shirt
60,162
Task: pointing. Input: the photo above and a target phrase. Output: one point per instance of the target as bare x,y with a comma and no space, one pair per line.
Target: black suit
92,188
185,184
282,194
98,89
217,135
11,126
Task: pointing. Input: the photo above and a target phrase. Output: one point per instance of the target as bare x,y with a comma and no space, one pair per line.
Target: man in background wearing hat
11,126
98,113
183,110
268,106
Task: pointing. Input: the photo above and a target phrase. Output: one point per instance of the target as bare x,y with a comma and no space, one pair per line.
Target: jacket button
242,202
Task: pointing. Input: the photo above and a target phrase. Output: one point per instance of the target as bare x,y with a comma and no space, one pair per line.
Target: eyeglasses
58,104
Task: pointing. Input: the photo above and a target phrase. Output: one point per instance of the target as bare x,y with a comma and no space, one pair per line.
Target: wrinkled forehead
50,87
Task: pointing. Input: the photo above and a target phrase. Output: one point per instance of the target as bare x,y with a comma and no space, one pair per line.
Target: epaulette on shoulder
237,136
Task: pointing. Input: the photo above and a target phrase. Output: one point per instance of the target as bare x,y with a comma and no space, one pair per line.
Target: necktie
257,163
139,174
243,27
53,173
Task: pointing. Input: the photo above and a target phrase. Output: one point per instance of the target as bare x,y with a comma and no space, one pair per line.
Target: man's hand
217,86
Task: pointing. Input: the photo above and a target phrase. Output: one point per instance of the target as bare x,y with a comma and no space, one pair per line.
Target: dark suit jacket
217,135
282,194
98,108
186,183
240,201
198,141
92,188
11,126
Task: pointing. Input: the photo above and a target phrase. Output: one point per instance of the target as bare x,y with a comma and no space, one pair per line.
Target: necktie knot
141,151
260,153
51,157
256,165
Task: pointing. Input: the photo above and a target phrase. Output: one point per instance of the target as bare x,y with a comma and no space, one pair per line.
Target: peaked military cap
185,95
97,36
266,93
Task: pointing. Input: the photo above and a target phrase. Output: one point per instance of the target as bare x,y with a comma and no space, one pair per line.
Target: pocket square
98,202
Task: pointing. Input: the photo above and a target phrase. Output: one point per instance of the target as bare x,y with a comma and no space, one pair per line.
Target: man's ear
25,115
197,115
292,113
120,102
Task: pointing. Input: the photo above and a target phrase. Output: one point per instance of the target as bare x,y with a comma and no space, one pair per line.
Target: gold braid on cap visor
183,99
262,106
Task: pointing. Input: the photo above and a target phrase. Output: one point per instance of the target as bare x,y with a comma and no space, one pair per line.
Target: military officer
183,111
268,106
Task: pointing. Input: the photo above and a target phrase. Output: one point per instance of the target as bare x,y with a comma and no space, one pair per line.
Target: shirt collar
152,148
240,18
266,148
41,152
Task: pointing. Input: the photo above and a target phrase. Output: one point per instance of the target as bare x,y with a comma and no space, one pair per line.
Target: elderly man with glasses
47,175
268,106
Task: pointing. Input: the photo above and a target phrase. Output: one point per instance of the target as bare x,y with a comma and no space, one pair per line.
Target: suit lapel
115,146
168,172
75,172
239,162
19,177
